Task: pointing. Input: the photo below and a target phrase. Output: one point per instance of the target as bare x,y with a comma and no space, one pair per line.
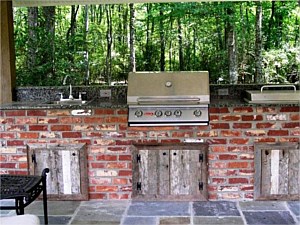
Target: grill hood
168,88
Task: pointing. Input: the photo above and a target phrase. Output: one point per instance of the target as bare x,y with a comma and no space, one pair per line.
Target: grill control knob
177,113
197,112
168,113
158,113
138,113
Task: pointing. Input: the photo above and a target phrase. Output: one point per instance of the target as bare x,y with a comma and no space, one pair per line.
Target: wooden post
7,53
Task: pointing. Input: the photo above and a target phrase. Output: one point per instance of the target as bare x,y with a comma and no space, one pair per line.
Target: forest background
237,42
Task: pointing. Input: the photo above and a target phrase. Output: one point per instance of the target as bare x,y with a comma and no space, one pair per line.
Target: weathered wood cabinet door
277,171
166,172
67,179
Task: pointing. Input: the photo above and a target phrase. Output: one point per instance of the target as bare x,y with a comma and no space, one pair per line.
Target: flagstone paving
124,212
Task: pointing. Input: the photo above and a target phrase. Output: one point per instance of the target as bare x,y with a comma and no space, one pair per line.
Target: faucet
64,83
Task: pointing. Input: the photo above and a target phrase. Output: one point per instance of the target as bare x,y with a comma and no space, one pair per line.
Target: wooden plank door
277,171
67,179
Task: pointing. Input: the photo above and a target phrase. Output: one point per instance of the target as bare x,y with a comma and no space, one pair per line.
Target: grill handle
165,100
285,85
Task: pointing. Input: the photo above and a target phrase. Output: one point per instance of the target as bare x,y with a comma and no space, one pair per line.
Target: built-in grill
168,98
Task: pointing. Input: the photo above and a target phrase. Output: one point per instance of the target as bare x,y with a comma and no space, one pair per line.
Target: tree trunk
258,44
270,27
181,60
32,13
86,30
132,38
109,44
162,39
49,51
231,43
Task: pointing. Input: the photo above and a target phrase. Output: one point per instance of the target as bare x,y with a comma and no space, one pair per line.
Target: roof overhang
33,3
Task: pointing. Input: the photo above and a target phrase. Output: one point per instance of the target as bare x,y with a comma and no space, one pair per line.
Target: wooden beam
31,3
7,50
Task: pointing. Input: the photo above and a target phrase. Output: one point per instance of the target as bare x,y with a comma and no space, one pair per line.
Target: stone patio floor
125,212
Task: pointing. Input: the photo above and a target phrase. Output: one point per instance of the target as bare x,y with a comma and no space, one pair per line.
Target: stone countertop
119,104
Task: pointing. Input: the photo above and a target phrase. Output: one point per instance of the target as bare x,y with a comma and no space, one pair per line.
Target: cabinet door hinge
138,158
33,158
201,158
139,186
200,186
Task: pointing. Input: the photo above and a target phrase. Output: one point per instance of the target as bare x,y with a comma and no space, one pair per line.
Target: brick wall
231,135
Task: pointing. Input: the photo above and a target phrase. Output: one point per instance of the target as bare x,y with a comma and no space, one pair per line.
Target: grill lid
168,88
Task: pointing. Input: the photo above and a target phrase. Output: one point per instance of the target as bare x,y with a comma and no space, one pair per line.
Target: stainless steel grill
168,98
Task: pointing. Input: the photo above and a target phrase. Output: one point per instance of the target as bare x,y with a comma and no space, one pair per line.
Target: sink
273,96
66,102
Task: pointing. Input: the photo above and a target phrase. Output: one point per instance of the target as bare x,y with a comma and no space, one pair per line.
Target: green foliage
201,27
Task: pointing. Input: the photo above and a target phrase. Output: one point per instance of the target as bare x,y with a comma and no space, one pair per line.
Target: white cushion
20,220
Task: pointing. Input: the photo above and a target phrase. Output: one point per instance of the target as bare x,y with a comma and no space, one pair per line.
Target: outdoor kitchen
218,147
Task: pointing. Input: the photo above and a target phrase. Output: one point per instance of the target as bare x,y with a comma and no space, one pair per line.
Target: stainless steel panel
162,85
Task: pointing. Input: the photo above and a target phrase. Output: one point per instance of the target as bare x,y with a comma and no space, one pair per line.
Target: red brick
218,148
119,196
290,109
122,111
218,180
15,128
178,134
71,135
98,165
9,165
3,158
36,113
94,120
243,109
58,112
116,119
217,141
291,125
104,112
241,125
126,188
117,149
120,181
219,125
97,196
171,141
219,165
207,134
60,128
7,120
28,135
245,172
15,113
238,164
266,110
227,157
125,157
107,188
238,181
38,127
116,165
255,133
125,173
247,188
26,120
67,120
252,117
265,125
15,143
230,133
265,139
289,139
295,117
278,132
6,135
23,165
213,118
239,141
231,117
218,110
106,157
295,132
46,120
